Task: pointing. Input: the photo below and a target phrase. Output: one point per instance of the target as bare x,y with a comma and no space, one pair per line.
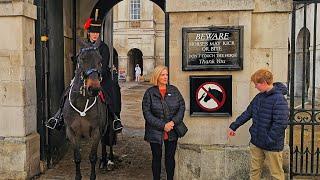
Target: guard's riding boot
117,125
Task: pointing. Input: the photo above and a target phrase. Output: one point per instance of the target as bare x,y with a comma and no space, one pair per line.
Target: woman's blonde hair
156,73
262,75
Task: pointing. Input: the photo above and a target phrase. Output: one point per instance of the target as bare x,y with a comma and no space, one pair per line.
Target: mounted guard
113,123
93,27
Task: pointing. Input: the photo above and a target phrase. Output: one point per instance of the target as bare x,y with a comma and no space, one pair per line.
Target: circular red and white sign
210,96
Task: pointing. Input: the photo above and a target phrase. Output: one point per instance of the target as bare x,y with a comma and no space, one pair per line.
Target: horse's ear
82,43
98,42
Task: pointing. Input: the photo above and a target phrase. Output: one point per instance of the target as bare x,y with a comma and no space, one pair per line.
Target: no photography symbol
210,96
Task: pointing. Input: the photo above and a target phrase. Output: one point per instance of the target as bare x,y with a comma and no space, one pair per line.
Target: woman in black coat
159,125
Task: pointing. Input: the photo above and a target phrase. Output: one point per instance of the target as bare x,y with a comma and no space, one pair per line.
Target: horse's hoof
78,177
92,177
110,165
102,163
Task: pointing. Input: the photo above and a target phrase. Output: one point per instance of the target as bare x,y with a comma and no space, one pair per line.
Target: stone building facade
134,37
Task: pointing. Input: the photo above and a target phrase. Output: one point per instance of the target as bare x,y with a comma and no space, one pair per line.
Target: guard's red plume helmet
87,24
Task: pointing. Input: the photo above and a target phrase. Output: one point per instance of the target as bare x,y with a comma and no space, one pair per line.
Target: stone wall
206,152
19,141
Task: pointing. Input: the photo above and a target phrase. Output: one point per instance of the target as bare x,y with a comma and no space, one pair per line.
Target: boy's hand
231,133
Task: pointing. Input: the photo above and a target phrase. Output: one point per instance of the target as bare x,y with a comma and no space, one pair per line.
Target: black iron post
293,47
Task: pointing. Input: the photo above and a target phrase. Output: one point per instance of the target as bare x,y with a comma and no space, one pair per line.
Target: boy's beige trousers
273,159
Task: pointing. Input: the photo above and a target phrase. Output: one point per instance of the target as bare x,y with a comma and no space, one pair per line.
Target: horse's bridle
86,74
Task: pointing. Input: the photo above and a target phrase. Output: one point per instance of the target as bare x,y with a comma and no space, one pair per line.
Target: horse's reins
86,108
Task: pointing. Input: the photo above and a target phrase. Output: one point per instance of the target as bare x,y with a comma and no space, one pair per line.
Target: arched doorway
302,63
106,5
135,57
47,104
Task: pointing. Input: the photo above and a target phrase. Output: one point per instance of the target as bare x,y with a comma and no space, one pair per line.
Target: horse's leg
110,165
104,155
75,141
93,153
111,157
103,160
77,160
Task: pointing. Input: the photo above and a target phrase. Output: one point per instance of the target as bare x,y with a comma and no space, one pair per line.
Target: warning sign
210,95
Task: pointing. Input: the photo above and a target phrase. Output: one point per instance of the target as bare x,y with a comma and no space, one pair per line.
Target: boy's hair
262,75
156,73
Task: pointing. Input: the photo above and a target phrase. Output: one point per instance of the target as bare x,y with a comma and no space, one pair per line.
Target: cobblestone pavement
132,153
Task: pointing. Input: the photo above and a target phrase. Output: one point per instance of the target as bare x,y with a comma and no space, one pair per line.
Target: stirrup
55,121
117,129
52,123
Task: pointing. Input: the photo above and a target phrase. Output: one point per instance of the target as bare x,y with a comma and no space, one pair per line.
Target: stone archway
302,69
106,5
135,56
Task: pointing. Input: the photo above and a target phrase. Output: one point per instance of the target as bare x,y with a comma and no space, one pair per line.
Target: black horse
83,112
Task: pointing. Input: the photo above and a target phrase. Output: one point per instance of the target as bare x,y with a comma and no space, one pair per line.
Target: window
135,9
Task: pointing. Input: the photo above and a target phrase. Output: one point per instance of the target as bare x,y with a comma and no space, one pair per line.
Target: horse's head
89,67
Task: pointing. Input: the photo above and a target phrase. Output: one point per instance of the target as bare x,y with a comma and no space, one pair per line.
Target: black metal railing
304,133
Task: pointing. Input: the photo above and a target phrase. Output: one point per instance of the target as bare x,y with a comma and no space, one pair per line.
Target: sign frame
225,84
185,49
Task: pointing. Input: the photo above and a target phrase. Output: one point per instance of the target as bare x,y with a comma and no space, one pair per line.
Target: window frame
135,10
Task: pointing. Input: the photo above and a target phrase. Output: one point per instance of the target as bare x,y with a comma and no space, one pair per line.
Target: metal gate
49,75
304,89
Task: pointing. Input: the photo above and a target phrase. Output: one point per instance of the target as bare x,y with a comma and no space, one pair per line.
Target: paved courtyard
133,154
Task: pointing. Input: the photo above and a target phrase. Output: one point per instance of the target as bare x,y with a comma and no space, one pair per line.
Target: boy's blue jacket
269,112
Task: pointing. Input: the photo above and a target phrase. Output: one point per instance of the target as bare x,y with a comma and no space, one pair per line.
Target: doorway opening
135,57
302,63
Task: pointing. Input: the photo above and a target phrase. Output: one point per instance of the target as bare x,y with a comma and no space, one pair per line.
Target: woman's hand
168,126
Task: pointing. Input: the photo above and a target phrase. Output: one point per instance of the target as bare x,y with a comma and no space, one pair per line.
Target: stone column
19,140
206,152
148,65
